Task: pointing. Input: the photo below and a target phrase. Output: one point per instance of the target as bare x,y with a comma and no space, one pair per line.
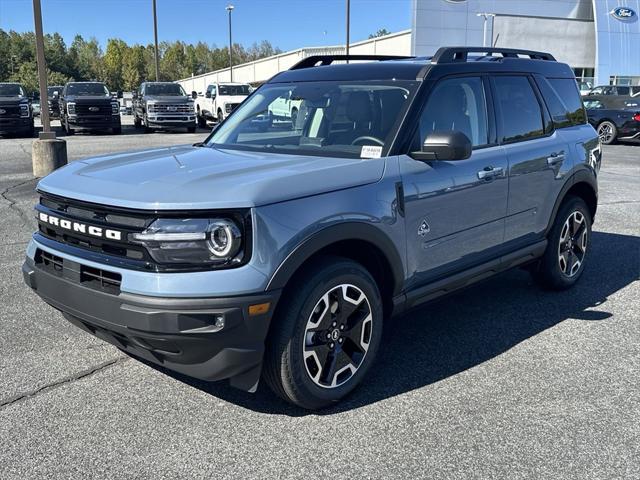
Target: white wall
262,70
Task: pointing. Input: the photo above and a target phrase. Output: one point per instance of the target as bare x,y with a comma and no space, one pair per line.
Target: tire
67,129
569,242
117,130
202,122
294,369
607,132
145,123
294,118
220,117
191,129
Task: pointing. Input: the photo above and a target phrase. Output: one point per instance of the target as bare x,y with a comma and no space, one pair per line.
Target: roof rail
320,60
460,54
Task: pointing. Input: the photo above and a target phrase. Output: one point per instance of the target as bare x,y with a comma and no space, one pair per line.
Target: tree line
121,66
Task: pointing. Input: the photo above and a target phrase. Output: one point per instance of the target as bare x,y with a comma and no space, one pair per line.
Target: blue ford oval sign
623,13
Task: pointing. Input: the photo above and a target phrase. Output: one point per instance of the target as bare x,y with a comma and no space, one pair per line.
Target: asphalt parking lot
502,380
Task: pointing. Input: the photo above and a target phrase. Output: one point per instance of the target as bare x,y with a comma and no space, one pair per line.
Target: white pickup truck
219,100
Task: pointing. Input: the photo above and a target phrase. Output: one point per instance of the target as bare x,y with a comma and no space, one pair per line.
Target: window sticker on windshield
371,151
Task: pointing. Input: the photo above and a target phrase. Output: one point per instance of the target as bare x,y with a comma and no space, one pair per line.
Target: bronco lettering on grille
80,227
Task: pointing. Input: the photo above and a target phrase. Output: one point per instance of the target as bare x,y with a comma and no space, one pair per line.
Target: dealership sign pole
42,72
155,39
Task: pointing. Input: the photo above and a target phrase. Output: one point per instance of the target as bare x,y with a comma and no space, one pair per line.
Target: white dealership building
599,39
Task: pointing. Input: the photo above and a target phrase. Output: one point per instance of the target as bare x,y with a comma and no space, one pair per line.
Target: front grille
10,111
50,262
79,214
99,279
171,108
85,108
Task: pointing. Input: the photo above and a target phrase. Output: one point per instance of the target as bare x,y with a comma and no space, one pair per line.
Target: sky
287,24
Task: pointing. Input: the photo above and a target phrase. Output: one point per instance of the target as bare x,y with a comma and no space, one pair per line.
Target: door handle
555,158
490,172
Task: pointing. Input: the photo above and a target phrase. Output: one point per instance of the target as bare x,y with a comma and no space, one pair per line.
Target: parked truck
219,100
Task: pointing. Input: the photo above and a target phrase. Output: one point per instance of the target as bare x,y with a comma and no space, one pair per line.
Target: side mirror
450,145
207,95
194,95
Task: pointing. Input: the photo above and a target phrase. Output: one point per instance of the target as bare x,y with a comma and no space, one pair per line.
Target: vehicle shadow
463,330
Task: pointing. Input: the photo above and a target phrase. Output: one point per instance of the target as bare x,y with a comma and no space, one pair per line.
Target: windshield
82,89
52,90
11,90
343,119
165,89
234,90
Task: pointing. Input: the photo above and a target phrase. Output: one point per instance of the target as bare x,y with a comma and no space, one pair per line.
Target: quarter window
456,104
519,110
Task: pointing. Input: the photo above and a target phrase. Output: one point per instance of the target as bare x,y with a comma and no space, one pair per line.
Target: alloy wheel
605,132
573,244
337,336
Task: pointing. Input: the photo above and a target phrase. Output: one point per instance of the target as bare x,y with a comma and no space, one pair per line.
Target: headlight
71,108
216,241
24,110
115,108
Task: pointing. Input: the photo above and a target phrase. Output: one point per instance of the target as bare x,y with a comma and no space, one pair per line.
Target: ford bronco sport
280,252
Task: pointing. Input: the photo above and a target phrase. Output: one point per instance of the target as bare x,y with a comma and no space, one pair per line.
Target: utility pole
42,72
155,39
486,17
348,27
47,152
230,9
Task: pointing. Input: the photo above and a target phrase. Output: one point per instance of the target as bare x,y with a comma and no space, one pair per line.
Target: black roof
446,61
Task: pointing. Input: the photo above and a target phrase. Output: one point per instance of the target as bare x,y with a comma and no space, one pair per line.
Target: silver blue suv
279,247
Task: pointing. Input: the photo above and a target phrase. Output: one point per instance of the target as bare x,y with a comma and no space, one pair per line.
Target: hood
187,177
88,98
233,98
167,99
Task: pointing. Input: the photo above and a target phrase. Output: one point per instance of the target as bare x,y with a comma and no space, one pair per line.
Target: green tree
380,33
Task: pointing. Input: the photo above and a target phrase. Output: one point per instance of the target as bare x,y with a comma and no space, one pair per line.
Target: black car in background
16,114
89,106
53,94
613,122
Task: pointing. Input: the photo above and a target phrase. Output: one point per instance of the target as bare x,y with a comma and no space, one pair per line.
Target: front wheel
564,259
325,335
220,116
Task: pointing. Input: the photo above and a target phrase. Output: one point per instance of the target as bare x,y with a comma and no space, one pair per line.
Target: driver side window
456,104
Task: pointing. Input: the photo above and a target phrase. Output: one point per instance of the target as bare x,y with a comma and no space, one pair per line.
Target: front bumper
176,333
15,125
94,122
161,120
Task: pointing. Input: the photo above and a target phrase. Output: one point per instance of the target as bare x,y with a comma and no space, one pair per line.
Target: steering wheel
370,139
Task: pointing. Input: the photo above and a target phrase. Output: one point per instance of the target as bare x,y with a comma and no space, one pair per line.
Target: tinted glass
165,89
624,91
11,90
567,92
86,89
234,90
519,110
457,104
328,118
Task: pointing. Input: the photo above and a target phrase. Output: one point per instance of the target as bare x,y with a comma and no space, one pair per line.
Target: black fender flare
583,175
336,233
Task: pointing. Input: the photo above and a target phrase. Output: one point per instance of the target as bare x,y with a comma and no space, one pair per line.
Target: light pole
486,17
42,71
155,39
229,9
348,27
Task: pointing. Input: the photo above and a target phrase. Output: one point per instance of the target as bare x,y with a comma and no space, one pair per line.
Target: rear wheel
202,122
564,259
607,132
325,335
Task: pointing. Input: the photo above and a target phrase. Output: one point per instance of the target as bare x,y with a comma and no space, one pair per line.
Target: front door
455,210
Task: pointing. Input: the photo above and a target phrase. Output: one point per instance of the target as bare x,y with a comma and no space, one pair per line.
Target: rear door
455,210
538,156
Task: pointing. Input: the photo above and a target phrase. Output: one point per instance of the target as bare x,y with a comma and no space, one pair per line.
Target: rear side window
563,101
519,110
